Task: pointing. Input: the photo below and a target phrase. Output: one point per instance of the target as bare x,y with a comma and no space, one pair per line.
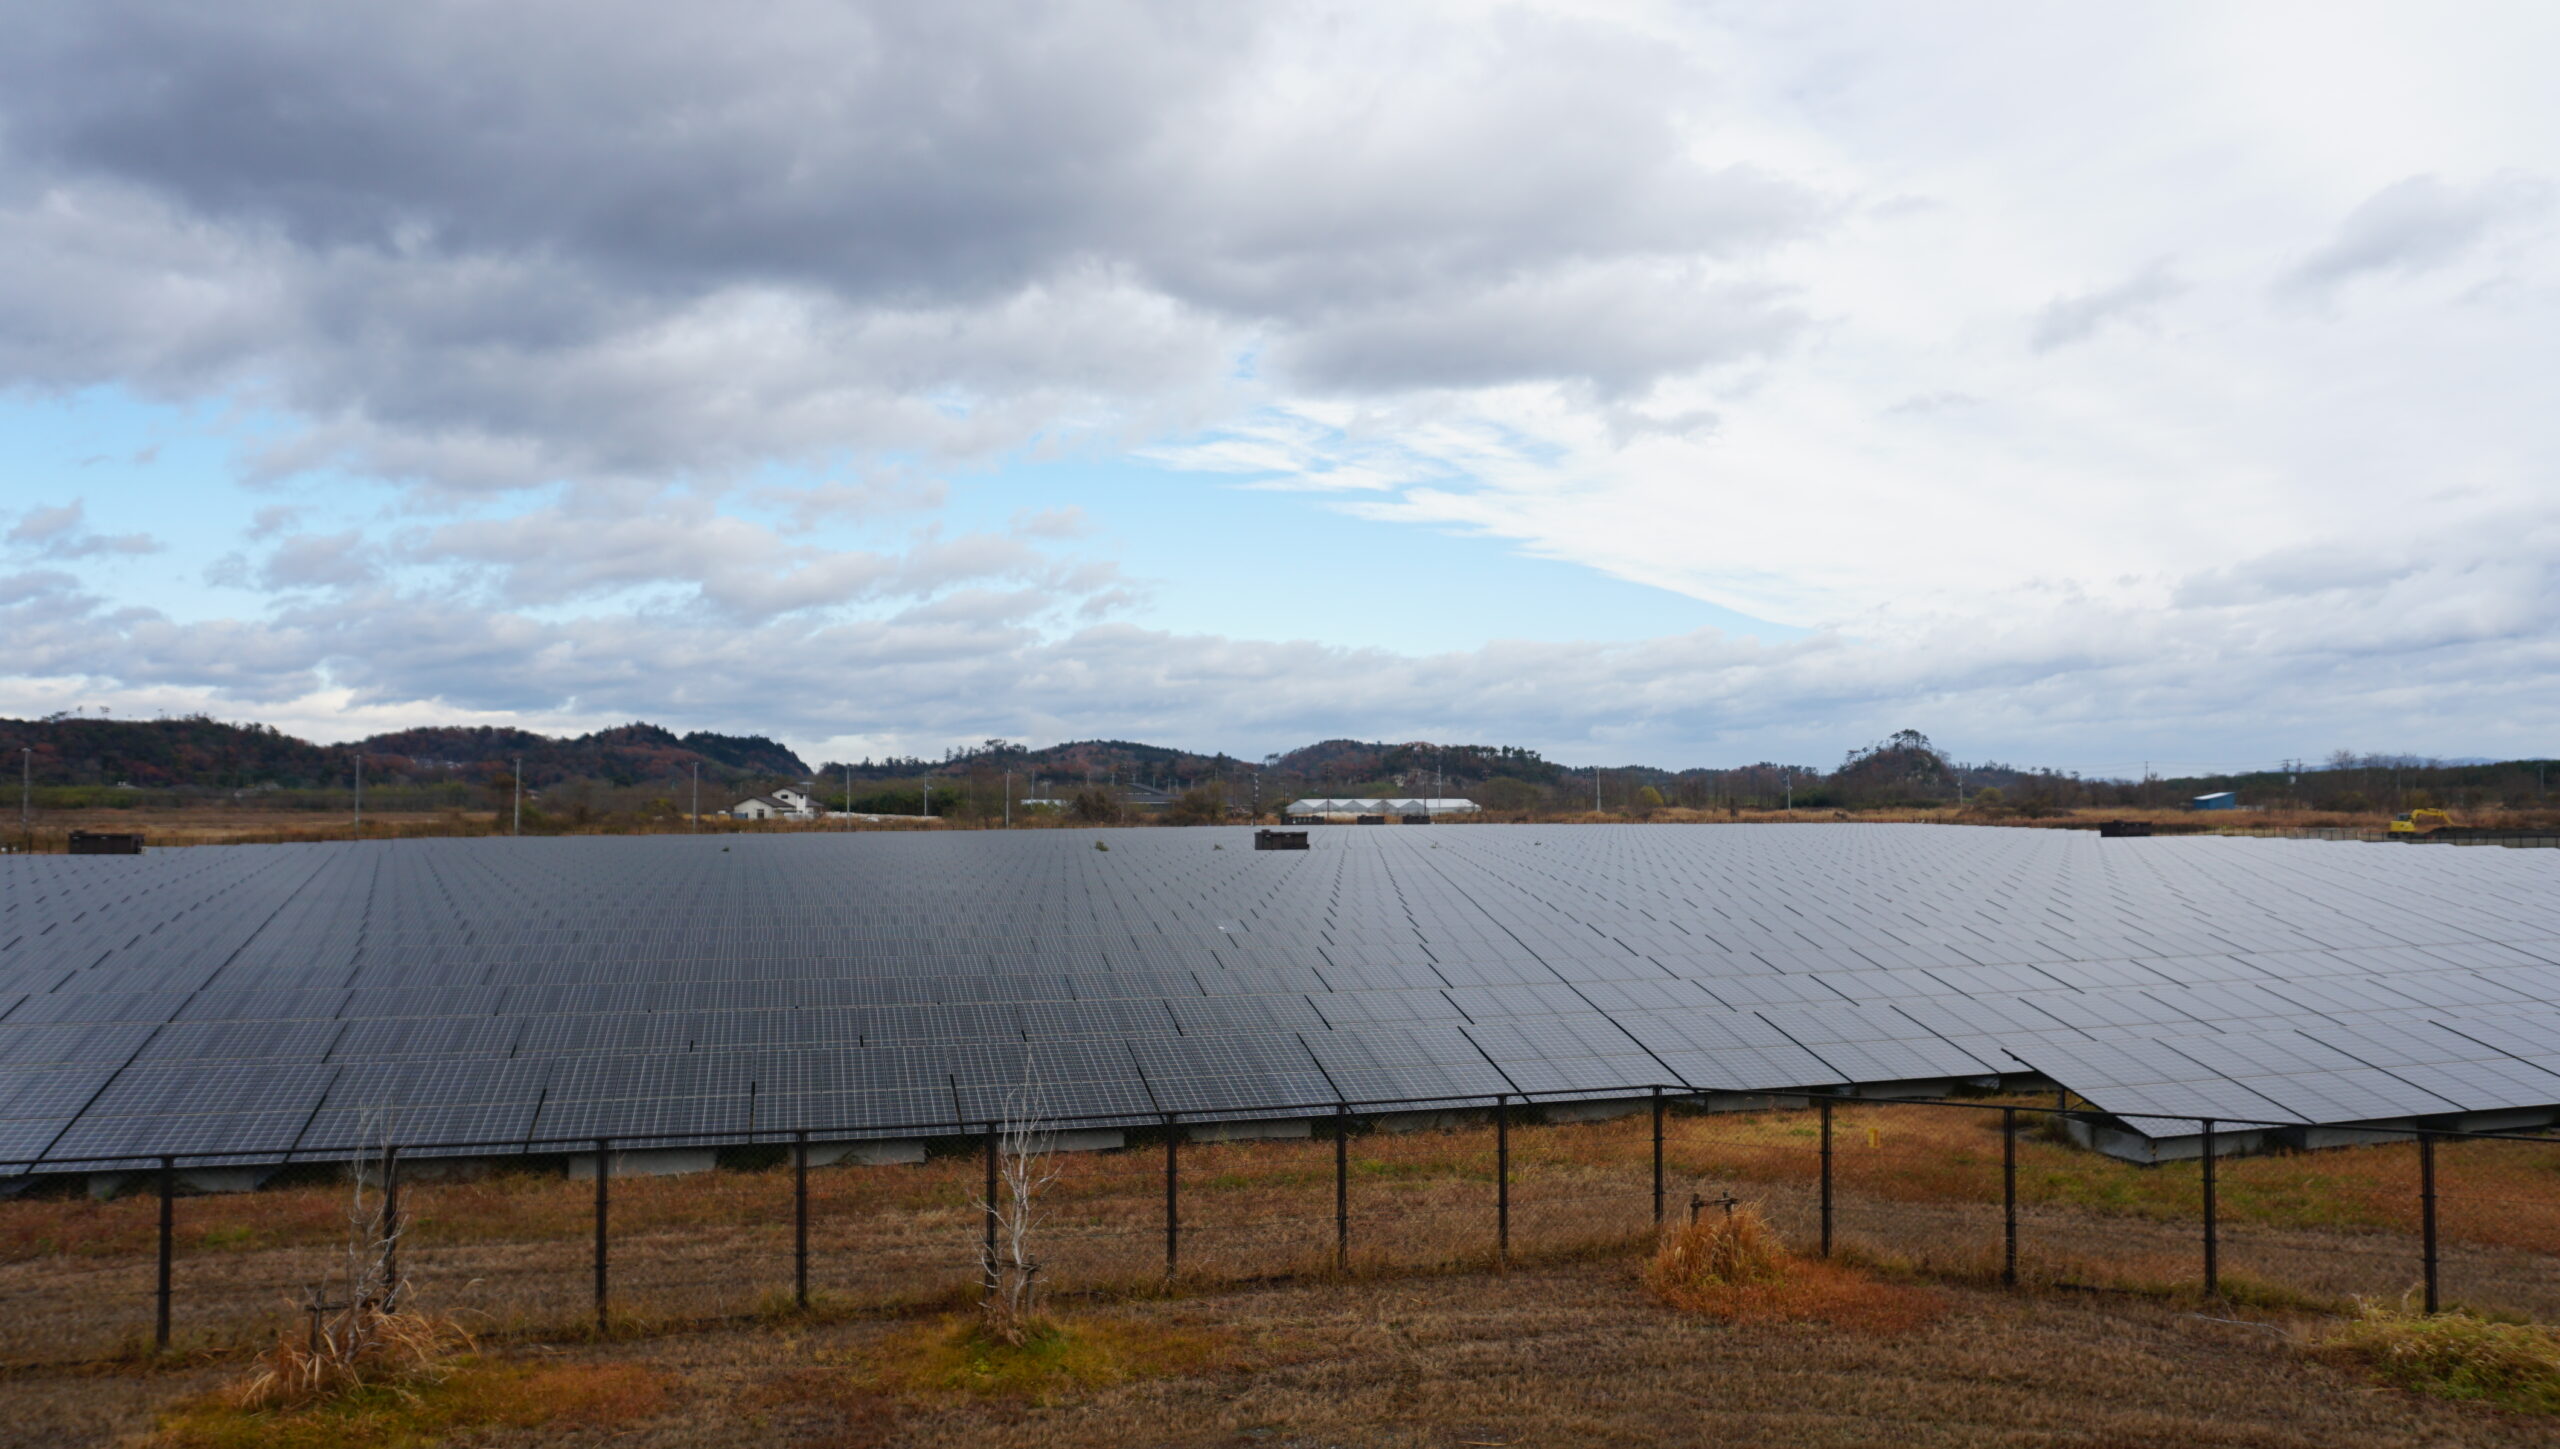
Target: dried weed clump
468,1396
362,1346
1734,1268
2455,1356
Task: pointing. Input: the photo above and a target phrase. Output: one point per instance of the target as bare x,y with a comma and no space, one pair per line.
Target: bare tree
1026,1163
358,1328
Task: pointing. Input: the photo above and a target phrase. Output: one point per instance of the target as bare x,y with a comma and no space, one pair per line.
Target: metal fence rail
1989,1191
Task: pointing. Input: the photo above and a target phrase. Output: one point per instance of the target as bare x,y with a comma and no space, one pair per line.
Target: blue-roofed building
2218,800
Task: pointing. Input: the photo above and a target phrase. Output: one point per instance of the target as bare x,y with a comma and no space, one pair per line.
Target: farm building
259,1004
1394,807
2218,800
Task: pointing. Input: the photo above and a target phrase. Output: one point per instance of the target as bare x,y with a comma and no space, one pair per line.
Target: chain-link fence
603,1236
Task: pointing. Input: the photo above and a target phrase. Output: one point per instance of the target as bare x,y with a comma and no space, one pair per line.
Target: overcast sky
1688,384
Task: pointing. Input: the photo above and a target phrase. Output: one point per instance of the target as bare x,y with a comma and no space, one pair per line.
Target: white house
783,804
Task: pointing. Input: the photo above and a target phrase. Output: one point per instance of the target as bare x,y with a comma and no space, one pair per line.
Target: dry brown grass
1570,1354
473,1398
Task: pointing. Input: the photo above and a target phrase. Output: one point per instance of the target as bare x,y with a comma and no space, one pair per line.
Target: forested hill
193,751
204,755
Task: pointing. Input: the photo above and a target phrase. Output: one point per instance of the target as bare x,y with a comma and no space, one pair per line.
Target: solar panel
273,1000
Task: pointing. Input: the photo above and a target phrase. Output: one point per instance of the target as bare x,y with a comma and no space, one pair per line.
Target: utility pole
848,797
359,793
518,827
924,812
1008,799
697,794
27,791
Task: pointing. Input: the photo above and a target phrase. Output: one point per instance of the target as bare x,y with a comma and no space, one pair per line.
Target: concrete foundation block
648,1162
897,1153
1270,1129
1608,1111
2315,1139
2133,1147
225,1179
1087,1139
1924,1090
437,1169
1452,1120
1748,1102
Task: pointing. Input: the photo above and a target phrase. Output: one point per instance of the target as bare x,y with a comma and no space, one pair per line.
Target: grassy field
1916,1187
1572,1353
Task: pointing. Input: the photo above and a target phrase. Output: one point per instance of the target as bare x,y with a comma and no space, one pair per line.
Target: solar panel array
263,1001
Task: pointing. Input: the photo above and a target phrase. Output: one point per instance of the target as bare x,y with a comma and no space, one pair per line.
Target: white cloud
2066,320
2416,225
62,532
1727,303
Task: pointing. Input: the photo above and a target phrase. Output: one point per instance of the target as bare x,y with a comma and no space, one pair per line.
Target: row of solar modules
2375,1067
186,958
272,1107
2209,988
2376,1070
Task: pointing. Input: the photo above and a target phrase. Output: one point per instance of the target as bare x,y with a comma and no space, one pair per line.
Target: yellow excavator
2416,821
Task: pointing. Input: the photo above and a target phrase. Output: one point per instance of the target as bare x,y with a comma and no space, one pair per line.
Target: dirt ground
1575,1354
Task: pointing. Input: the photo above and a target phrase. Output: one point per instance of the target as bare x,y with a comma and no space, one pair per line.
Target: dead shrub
1734,1268
366,1344
1717,1252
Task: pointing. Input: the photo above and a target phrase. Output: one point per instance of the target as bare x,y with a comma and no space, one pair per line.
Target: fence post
1342,1187
391,1224
800,1219
2009,1196
604,1205
1657,1157
1502,1180
987,1267
2427,1211
1172,1201
168,1243
2212,1221
1826,1177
